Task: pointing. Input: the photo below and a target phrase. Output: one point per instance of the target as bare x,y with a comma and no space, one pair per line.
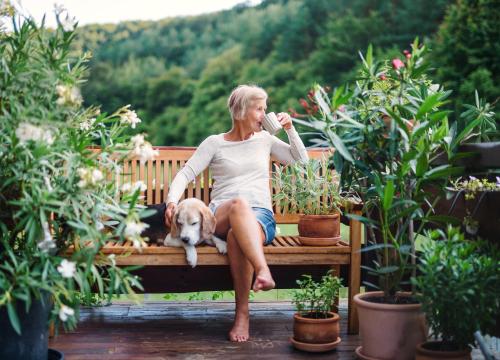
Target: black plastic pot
32,344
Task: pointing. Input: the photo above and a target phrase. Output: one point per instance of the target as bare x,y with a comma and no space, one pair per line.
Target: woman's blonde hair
241,99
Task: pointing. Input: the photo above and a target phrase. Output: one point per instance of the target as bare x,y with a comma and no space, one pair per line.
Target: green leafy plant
473,186
59,200
458,287
387,130
314,299
309,188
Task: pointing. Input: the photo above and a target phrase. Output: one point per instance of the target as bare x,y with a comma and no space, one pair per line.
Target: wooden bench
165,268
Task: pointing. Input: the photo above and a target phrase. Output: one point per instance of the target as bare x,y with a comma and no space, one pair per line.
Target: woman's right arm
193,167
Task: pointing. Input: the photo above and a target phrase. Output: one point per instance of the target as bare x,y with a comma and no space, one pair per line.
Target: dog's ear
208,223
174,230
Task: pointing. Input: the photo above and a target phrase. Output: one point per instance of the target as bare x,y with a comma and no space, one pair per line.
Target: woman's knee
239,205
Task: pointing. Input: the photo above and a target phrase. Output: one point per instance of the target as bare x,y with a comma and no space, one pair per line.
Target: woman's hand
169,212
285,120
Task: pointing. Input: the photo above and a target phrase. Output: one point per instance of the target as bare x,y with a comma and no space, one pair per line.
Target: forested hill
178,72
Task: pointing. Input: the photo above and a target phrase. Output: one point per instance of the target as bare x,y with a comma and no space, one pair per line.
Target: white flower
59,8
67,268
145,152
47,243
112,259
127,187
134,229
65,312
89,177
99,225
130,117
86,125
28,132
137,243
68,95
130,188
433,88
137,140
68,23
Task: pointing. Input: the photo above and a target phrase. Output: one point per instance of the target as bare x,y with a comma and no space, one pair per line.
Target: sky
113,11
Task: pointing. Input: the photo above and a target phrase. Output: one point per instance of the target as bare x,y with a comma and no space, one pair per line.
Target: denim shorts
265,218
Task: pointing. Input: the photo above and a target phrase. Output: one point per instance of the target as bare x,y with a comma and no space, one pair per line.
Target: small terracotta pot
389,331
316,331
319,230
426,354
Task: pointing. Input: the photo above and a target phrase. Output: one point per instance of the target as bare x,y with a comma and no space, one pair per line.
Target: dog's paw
191,256
221,245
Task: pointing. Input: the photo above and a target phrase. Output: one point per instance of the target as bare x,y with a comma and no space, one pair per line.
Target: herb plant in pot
458,287
386,129
315,327
311,189
55,193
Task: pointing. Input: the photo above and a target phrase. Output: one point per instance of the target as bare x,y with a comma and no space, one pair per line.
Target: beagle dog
193,223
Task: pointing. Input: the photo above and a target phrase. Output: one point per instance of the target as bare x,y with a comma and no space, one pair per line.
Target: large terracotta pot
389,331
319,230
425,352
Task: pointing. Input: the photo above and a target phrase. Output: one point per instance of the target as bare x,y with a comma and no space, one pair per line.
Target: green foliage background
179,71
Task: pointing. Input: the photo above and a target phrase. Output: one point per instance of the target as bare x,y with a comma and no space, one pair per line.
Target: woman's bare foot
263,281
239,332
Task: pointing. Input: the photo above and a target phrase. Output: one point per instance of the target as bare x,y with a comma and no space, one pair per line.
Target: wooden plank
158,183
219,259
354,273
166,178
149,183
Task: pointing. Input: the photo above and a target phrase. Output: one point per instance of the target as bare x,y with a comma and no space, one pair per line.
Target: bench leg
335,272
52,330
354,274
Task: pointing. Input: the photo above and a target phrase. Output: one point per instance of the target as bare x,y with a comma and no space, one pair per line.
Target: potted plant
386,130
310,189
55,193
457,286
315,326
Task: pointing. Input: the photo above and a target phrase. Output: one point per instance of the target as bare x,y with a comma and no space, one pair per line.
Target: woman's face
255,114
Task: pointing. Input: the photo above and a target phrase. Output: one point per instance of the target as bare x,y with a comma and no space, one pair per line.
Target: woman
241,198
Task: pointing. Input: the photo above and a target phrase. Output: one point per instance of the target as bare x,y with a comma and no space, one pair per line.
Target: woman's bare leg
241,272
239,217
250,239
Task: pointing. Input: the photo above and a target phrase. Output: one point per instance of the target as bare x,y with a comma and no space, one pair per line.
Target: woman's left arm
288,153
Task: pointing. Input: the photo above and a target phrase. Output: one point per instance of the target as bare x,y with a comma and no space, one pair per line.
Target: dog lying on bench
192,224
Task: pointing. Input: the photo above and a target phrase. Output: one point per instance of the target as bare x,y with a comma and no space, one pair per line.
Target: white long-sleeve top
239,168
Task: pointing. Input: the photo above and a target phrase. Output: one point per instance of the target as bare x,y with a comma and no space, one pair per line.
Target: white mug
271,123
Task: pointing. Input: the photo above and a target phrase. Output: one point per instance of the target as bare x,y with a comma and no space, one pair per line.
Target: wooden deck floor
194,330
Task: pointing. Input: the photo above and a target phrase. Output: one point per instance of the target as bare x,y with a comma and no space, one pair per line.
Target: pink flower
397,64
408,55
406,52
383,77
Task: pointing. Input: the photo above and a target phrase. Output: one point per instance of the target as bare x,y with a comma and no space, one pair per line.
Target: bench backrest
158,174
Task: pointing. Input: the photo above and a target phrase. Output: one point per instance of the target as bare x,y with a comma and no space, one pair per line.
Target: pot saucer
360,355
314,347
309,241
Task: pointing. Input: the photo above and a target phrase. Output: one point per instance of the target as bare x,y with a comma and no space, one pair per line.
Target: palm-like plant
387,129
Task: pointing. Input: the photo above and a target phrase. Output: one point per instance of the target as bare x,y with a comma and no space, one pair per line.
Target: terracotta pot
319,230
316,331
424,353
389,331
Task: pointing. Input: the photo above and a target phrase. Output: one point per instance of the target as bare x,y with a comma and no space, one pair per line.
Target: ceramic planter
319,230
389,331
316,335
425,352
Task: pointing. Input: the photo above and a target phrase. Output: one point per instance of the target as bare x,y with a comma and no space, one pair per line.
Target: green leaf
430,102
339,146
443,171
422,165
388,194
14,320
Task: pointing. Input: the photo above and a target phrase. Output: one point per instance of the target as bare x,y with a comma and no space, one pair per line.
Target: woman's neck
239,132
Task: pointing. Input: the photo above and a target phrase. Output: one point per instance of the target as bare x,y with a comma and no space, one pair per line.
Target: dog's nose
185,239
